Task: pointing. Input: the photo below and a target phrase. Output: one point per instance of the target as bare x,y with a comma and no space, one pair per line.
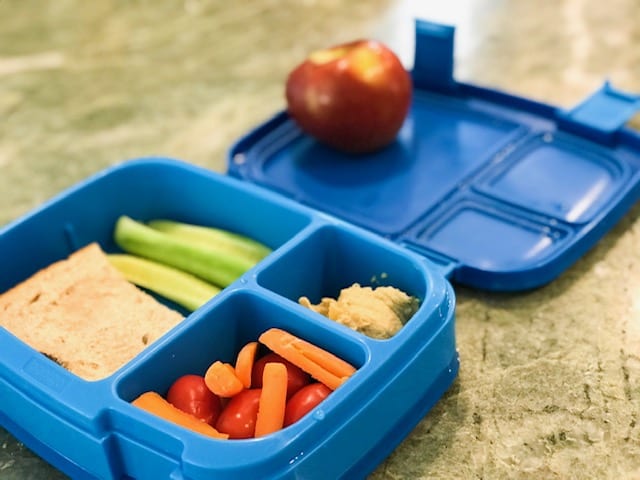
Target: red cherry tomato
296,377
190,394
238,418
303,401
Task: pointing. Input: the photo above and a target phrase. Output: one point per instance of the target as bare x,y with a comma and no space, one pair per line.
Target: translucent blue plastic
90,429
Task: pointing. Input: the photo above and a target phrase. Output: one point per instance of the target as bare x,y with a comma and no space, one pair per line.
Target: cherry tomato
303,401
238,418
296,377
190,394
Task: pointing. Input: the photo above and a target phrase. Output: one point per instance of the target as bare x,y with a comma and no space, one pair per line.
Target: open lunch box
481,188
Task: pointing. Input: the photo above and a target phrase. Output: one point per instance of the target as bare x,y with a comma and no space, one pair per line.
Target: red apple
353,97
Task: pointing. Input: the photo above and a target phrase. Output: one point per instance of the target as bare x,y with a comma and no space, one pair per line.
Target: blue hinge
434,56
601,115
446,266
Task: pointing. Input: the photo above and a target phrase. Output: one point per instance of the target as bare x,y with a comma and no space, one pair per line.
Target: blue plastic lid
502,192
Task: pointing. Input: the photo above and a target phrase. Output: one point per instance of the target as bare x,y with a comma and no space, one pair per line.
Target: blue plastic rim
90,429
502,192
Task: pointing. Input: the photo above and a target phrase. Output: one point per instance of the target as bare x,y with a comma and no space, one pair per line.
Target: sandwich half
82,313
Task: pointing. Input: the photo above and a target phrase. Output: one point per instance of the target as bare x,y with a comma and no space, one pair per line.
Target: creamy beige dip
376,312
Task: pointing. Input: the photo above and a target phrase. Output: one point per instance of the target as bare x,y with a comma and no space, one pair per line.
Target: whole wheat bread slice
84,314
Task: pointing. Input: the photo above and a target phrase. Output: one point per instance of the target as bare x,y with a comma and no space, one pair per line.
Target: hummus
376,312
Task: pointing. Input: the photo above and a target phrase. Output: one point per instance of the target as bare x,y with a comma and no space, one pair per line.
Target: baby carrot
319,363
155,404
273,399
244,363
222,380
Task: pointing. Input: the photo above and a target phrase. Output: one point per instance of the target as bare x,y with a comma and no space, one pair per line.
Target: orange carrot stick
155,404
327,360
319,363
244,363
221,379
273,399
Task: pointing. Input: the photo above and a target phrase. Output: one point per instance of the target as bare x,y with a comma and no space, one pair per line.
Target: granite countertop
549,384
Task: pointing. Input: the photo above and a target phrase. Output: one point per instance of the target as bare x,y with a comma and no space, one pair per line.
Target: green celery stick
213,265
180,287
234,243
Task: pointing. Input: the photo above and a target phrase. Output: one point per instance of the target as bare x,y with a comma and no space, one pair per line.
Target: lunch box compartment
332,258
218,333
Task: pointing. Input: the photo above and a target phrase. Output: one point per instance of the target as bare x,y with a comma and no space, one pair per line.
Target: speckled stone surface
549,384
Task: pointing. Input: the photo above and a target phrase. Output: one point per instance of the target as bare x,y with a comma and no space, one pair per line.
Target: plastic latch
601,115
434,56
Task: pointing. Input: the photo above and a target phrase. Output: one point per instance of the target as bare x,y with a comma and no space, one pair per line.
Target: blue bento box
481,188
90,429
